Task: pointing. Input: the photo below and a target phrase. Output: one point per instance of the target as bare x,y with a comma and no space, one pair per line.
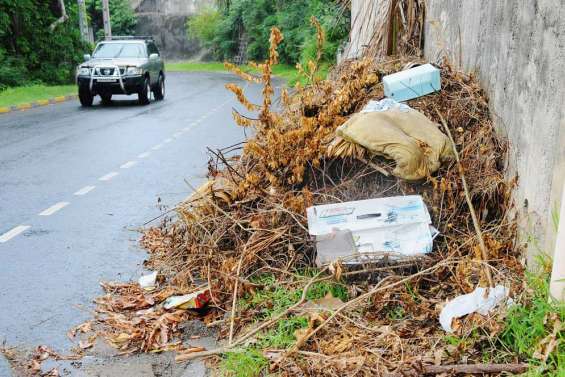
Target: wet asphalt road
50,272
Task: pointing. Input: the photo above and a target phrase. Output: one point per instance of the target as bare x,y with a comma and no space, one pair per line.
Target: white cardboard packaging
399,224
412,83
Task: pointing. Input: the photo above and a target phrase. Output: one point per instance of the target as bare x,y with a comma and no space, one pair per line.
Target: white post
106,18
557,282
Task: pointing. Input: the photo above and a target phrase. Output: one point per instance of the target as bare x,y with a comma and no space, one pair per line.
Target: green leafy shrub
122,16
30,52
203,26
253,19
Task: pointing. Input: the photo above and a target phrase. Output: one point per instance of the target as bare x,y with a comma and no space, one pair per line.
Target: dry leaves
251,214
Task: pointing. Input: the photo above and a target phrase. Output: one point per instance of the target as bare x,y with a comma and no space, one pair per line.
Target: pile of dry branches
249,219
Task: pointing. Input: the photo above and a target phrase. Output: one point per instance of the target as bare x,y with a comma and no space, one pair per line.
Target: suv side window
152,48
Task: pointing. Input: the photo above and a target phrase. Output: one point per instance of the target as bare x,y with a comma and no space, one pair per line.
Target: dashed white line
13,232
85,190
54,208
157,147
144,154
108,176
128,164
166,141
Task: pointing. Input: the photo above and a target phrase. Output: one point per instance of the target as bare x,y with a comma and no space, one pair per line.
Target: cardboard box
397,225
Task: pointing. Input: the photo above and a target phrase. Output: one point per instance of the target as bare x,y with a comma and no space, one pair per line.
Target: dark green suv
123,65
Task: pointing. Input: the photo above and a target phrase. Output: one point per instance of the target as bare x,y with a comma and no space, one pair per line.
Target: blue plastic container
412,83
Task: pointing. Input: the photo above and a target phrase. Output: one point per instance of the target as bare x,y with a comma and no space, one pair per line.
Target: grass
26,94
271,300
532,324
287,72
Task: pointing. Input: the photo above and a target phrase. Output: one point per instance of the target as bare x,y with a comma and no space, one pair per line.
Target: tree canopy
32,52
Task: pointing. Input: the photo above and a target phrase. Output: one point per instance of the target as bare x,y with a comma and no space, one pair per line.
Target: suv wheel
106,99
84,96
145,92
159,91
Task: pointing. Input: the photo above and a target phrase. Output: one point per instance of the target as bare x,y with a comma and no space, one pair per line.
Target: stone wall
165,20
517,49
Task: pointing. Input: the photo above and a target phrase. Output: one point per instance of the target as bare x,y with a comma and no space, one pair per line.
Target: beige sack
406,136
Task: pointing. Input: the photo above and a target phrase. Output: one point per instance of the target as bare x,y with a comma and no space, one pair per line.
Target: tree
122,16
29,50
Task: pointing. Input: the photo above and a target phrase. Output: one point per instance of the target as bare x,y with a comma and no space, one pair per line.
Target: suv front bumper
112,85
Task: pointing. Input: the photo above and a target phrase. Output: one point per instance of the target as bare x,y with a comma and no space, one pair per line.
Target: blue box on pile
412,83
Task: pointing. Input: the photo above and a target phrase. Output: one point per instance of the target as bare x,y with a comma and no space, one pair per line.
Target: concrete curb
38,103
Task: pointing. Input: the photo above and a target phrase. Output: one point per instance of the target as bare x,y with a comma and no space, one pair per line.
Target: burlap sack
406,136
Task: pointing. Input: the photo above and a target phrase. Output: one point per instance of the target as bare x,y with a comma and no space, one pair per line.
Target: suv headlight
134,71
84,71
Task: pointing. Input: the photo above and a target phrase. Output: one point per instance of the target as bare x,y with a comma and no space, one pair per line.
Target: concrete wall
517,49
165,20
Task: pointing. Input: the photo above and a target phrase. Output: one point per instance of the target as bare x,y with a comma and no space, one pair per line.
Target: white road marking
177,134
85,190
108,176
157,147
128,164
167,141
144,154
54,208
13,232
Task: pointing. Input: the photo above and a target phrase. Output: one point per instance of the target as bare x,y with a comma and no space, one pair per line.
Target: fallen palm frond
249,219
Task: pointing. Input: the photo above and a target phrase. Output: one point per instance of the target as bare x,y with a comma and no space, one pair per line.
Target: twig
261,327
356,300
183,354
476,224
234,300
205,197
374,166
475,368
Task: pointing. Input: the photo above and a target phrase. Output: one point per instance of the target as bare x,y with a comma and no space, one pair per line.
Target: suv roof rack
131,37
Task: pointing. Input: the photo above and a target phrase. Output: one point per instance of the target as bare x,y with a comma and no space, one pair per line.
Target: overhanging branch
61,19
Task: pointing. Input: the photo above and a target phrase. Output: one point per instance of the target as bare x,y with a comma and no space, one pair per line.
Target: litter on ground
481,300
246,233
412,83
393,225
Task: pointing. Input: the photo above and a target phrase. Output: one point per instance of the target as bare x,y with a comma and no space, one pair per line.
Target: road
76,185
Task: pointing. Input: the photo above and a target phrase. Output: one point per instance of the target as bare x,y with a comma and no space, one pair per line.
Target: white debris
194,300
476,301
384,105
148,282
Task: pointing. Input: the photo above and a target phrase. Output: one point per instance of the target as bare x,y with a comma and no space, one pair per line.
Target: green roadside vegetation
284,71
238,29
267,302
533,329
25,94
36,50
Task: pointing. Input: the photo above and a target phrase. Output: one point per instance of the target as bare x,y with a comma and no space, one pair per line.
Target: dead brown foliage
250,219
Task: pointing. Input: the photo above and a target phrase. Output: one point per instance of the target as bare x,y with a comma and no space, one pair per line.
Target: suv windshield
119,50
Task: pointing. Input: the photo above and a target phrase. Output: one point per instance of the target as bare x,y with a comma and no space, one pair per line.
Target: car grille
108,71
